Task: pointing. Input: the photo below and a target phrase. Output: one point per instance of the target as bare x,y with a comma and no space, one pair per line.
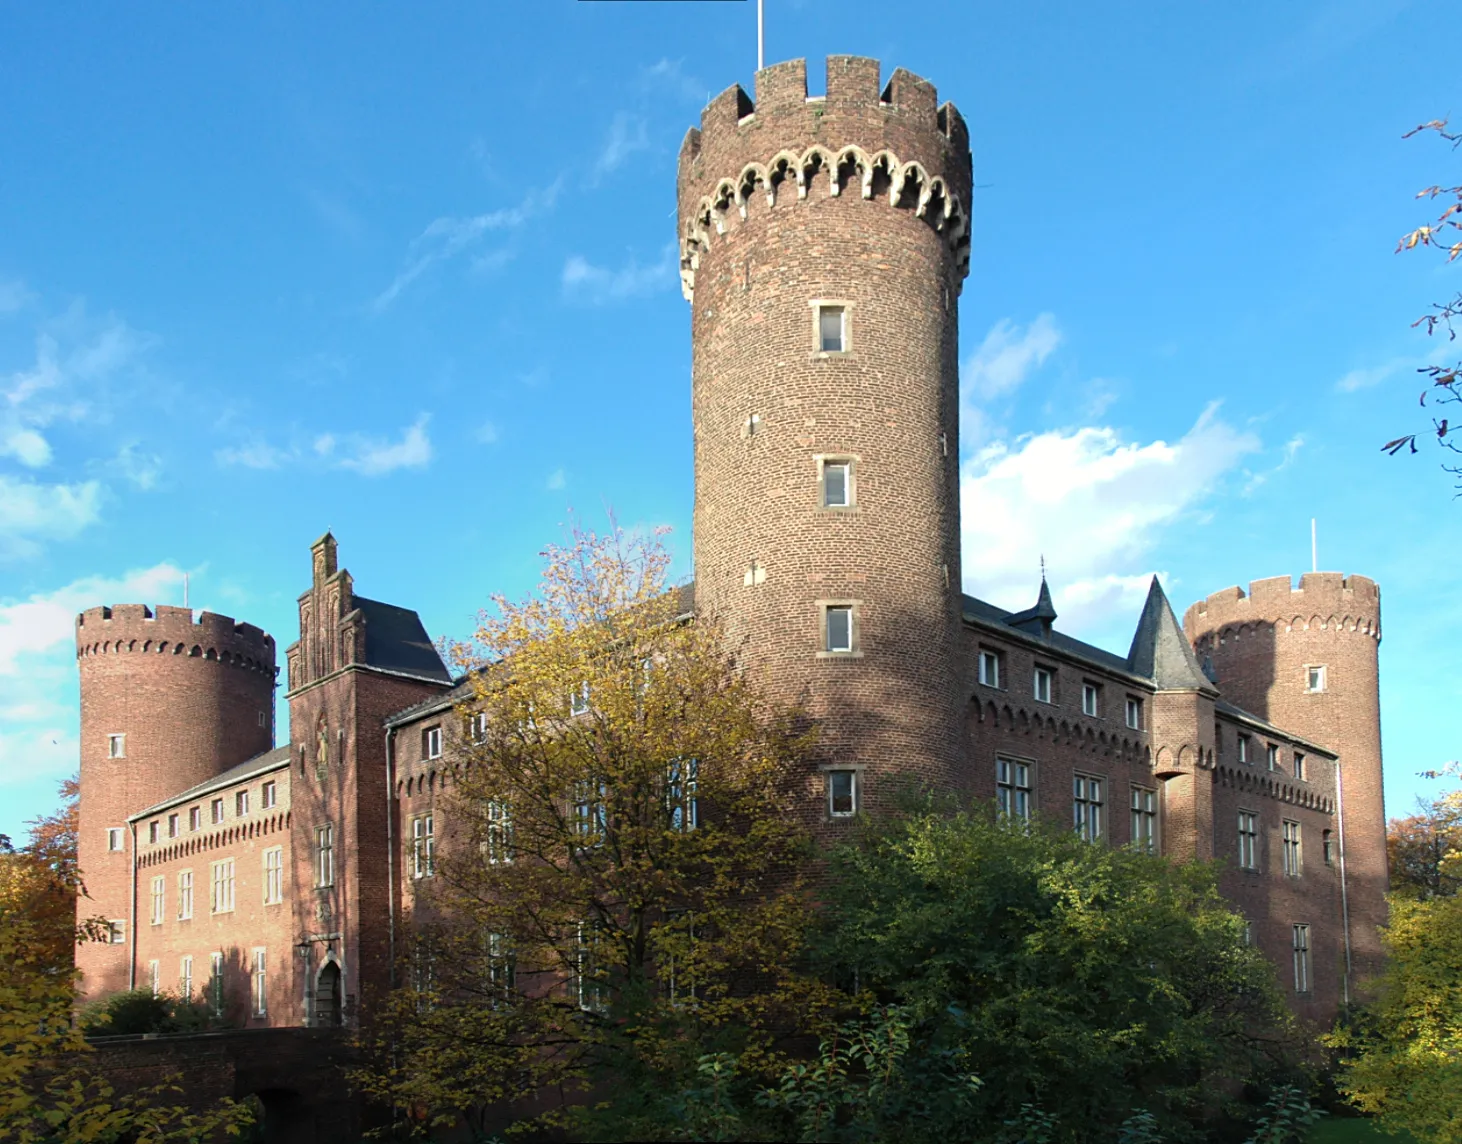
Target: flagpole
761,56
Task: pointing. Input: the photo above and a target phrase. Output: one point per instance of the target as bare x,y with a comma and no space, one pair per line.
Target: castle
824,242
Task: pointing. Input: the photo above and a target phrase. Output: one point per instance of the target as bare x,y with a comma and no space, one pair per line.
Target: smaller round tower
1306,659
167,703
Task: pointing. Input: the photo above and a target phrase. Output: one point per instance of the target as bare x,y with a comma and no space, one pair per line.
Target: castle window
241,803
172,826
1248,840
1144,819
1271,757
431,743
158,903
990,668
1291,848
221,900
1090,698
216,806
588,984
1041,685
325,855
501,969
1134,713
195,818
1013,788
154,978
261,992
152,831
117,932
682,782
842,793
1327,847
116,746
1301,959
273,875
115,838
268,795
185,978
835,479
1086,805
751,425
477,727
423,847
1299,765
261,718
1243,748
589,813
832,329
1248,933
185,895
579,700
215,983
497,843
1315,677
838,629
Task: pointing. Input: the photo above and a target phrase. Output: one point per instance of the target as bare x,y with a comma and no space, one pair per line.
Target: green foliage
1286,1117
140,1011
1074,979
1401,1057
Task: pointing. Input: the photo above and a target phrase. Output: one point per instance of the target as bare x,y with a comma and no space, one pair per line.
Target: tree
1443,235
1401,1057
619,887
1084,981
1425,849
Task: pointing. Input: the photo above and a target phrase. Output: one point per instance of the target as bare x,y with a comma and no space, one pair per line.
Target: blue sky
408,273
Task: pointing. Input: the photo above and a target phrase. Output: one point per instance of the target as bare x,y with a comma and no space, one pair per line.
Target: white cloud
448,236
255,454
1291,450
139,469
1007,356
39,707
557,480
1358,379
628,135
31,512
584,281
1092,504
669,75
374,458
26,445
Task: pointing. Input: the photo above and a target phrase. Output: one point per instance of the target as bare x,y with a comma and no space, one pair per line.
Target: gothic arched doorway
327,996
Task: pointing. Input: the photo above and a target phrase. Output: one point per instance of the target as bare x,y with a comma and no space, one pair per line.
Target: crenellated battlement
895,143
168,630
1323,600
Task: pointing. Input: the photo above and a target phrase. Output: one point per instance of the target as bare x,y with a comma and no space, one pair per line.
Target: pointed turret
1037,620
1161,652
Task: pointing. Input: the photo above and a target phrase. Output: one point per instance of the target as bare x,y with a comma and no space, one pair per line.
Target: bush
140,1011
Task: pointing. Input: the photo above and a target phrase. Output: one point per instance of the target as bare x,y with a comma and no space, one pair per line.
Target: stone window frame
1242,749
822,461
157,912
324,855
1015,787
1152,814
195,818
431,742
997,658
118,835
269,795
847,306
827,770
1134,704
117,931
1093,689
855,629
154,977
1292,840
273,876
1271,756
185,977
117,745
185,894
215,810
222,892
1049,673
241,803
1252,836
1300,947
1300,770
1082,795
1324,678
152,831
259,982
423,855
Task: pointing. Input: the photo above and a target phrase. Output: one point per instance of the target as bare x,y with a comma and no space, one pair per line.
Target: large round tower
167,703
1305,659
824,241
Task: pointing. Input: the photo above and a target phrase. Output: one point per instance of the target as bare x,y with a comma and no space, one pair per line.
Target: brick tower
1306,659
824,242
167,703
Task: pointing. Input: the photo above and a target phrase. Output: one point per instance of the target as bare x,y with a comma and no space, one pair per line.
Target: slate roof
396,641
1160,651
981,610
271,760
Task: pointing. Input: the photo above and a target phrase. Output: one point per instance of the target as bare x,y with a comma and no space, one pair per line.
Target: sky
408,273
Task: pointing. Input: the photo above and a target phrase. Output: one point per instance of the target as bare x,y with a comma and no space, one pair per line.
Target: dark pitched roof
1233,711
982,610
1160,650
1037,620
268,761
397,641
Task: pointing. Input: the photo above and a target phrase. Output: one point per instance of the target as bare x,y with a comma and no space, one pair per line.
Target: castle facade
824,242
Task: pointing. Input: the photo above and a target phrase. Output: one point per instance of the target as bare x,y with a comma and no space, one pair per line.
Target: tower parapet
167,702
823,244
1306,659
896,144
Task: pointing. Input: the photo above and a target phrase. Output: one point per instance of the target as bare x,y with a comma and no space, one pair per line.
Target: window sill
827,355
840,655
838,508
